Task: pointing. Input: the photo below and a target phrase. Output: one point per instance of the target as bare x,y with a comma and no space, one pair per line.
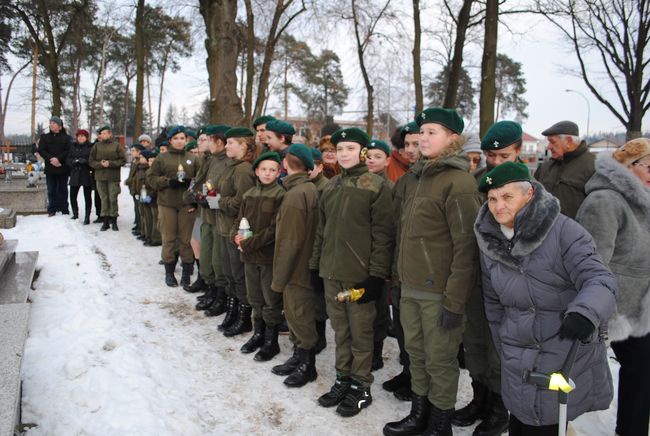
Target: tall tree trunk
140,66
462,22
250,63
488,67
126,107
221,45
162,84
76,109
149,100
364,72
92,119
417,68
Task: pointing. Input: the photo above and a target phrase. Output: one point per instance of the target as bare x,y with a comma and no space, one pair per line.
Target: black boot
186,275
305,372
106,223
377,360
170,279
357,398
288,366
206,300
243,323
401,380
197,286
439,422
231,314
497,420
270,347
322,339
87,219
476,410
98,220
337,393
255,341
416,421
75,214
114,224
219,303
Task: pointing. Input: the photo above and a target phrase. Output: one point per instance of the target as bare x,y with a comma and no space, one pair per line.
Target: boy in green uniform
136,149
151,209
259,125
279,135
259,207
353,249
295,229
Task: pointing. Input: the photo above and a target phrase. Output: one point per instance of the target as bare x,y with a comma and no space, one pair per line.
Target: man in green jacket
107,158
570,167
353,249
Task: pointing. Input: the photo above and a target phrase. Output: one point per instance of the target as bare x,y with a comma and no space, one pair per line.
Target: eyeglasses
641,164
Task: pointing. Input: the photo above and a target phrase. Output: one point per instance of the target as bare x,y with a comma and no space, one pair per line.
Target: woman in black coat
80,176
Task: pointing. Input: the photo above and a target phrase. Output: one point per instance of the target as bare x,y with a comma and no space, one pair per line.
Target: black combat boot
416,421
497,420
305,372
170,279
75,213
401,380
377,359
257,340
476,410
106,223
270,347
231,314
197,286
288,366
206,300
243,323
114,224
98,220
322,339
186,274
87,219
439,422
357,398
219,304
337,393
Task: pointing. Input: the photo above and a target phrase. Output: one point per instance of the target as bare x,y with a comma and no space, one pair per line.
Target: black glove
576,326
449,320
176,184
316,281
373,286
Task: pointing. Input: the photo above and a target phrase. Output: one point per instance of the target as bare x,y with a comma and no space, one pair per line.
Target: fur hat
632,151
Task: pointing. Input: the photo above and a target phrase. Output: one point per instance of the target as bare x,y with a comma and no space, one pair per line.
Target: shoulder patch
369,182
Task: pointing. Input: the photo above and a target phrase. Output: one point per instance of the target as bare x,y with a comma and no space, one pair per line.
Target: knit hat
144,137
302,152
264,119
280,127
57,120
82,132
445,117
269,155
500,135
503,174
632,151
351,134
473,144
380,145
239,132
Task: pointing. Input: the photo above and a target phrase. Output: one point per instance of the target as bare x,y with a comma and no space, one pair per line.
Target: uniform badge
489,180
496,143
343,135
189,162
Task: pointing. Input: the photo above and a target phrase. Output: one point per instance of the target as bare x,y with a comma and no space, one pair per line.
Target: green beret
262,120
302,152
200,130
102,128
239,132
503,174
175,130
281,127
410,128
446,117
379,144
191,133
138,146
268,155
190,145
147,153
164,142
562,128
502,134
351,134
155,152
316,154
216,129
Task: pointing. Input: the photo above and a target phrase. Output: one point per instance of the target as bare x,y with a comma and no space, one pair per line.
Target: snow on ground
112,350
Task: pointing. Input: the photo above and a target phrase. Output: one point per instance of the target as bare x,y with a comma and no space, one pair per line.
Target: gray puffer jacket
617,214
548,269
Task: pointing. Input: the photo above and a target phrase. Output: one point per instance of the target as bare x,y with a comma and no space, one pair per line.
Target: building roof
527,137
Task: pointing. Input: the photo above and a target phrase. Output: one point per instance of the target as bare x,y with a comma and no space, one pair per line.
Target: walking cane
557,381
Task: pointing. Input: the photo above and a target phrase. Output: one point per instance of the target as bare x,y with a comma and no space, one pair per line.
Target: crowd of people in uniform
443,240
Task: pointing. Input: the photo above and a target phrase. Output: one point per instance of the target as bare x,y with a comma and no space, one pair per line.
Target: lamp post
586,101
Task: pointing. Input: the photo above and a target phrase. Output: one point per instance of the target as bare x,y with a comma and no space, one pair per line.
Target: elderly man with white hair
570,167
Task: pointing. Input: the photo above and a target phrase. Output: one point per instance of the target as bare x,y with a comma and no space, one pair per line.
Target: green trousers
233,269
353,333
108,192
144,222
176,230
206,267
481,356
432,350
149,220
267,304
299,311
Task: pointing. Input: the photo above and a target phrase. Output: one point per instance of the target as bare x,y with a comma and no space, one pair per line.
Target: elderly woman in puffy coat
544,286
617,213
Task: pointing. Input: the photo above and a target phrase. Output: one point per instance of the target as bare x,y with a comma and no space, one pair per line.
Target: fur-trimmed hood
452,156
532,224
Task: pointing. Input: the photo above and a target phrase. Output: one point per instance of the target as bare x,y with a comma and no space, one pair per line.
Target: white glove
213,202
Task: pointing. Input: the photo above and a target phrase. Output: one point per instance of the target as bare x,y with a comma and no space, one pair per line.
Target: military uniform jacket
212,167
138,178
130,179
355,230
237,178
295,228
260,205
114,154
437,253
165,168
566,178
321,182
153,193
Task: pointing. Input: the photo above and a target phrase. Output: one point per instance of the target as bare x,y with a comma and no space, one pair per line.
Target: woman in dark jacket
544,287
617,213
77,161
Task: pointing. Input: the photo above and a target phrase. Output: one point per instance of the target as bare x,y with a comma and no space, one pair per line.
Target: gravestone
7,218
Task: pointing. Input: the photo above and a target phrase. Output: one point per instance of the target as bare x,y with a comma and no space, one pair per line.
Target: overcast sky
538,46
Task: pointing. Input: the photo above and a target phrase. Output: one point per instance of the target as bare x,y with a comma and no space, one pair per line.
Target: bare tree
417,63
488,67
140,68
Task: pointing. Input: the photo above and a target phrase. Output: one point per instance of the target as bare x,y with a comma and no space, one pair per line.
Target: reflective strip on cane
559,383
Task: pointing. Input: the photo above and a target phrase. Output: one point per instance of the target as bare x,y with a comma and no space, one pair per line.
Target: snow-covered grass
112,350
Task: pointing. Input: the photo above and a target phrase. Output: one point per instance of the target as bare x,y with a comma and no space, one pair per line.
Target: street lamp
586,101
